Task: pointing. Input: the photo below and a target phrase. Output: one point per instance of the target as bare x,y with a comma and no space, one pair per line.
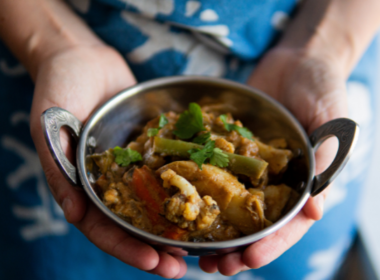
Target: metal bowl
120,118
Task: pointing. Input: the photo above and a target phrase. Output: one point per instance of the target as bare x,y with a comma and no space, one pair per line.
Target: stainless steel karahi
120,119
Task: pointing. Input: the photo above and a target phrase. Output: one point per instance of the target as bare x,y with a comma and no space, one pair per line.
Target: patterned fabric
163,38
187,33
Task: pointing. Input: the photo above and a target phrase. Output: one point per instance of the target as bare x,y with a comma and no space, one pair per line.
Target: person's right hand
79,80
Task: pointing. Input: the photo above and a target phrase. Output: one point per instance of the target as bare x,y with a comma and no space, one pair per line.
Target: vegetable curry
197,176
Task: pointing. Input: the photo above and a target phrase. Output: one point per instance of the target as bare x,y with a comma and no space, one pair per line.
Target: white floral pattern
41,218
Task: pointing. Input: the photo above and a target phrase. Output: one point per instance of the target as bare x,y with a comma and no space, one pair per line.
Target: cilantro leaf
199,156
209,152
152,132
163,121
243,131
219,158
203,138
227,125
125,157
190,122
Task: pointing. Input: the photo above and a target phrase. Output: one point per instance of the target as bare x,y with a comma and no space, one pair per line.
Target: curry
197,176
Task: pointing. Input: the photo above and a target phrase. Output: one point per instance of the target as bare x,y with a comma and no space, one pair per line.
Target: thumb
72,200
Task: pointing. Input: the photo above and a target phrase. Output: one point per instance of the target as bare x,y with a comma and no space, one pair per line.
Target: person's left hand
312,87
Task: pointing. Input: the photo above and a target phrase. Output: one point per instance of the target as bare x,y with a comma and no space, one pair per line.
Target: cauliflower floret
111,196
186,208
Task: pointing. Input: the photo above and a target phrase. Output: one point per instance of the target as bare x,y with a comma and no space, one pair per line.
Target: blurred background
363,260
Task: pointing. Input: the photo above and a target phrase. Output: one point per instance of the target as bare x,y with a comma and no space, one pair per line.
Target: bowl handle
52,120
347,132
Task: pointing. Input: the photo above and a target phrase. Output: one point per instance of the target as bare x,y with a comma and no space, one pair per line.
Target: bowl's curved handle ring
52,120
347,132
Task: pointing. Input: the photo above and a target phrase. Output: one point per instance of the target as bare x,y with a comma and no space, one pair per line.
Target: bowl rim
154,239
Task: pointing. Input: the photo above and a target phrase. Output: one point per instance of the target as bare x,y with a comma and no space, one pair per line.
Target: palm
79,81
314,91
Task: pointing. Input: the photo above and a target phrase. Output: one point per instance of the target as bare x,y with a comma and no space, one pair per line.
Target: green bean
173,147
251,167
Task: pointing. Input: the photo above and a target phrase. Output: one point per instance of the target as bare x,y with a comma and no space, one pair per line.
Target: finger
182,267
209,264
271,247
168,266
325,154
330,106
231,264
110,238
313,208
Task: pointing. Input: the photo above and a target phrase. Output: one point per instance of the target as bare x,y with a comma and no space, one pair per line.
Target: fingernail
320,202
66,206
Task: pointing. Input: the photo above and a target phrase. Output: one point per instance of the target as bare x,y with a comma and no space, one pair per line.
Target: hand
312,87
79,80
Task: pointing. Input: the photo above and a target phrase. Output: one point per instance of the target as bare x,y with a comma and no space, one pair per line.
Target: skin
75,70
291,77
306,72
